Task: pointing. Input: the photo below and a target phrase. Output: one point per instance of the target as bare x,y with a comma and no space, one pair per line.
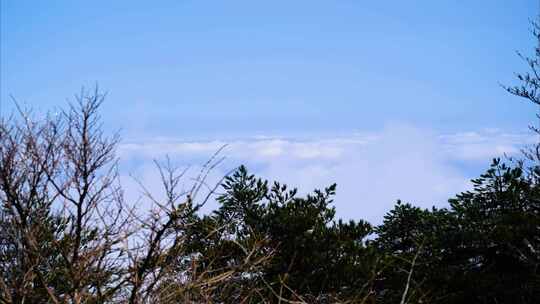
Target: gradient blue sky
191,67
230,70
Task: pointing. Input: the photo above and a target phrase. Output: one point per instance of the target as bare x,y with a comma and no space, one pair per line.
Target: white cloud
372,170
472,146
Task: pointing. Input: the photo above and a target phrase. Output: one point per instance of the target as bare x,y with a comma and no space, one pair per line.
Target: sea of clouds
372,169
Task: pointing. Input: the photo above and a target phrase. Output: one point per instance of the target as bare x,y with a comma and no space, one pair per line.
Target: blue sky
301,71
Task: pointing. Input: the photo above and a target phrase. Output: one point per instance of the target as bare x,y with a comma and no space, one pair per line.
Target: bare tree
68,236
63,168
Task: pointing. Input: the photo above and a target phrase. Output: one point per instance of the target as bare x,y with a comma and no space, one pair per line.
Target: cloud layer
372,170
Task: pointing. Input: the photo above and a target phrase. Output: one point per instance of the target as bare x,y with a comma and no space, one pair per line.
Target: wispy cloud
372,170
485,144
